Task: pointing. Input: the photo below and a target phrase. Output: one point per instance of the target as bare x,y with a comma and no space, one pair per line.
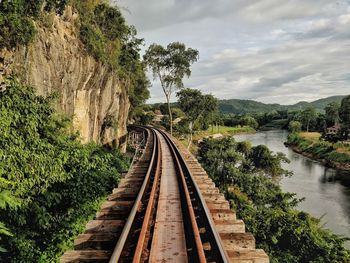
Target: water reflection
326,191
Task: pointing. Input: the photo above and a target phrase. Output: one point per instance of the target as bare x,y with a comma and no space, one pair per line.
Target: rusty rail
203,216
142,242
116,255
196,214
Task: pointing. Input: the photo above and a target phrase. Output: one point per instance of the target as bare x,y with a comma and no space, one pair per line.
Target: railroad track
165,210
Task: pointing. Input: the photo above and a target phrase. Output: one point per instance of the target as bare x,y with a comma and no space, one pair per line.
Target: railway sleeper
218,205
208,190
204,184
222,214
122,196
86,256
96,241
111,215
126,190
117,205
234,240
213,197
248,256
103,226
130,182
203,180
228,226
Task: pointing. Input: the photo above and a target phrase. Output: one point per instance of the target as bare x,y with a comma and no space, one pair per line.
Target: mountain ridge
238,106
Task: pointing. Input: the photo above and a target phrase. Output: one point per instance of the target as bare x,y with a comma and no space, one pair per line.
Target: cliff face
89,92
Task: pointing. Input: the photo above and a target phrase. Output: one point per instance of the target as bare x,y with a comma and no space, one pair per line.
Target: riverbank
270,213
329,154
215,132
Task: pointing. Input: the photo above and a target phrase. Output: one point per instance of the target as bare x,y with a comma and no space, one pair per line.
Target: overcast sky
273,51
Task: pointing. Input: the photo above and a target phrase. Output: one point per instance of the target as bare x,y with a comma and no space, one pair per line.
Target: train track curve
159,214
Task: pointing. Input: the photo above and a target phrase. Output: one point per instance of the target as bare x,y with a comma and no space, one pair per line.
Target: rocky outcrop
90,92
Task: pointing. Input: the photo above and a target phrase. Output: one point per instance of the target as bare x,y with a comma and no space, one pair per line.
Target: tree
249,121
170,65
294,126
210,111
332,113
344,113
194,104
263,159
307,116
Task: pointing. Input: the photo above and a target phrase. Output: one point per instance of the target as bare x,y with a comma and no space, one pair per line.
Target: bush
286,234
58,181
320,150
295,126
17,17
15,30
94,41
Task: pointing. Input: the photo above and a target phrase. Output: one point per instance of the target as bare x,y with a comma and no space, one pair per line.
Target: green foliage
294,126
191,102
16,29
198,108
332,113
236,106
17,19
111,21
94,41
56,181
170,65
321,150
286,234
307,117
344,111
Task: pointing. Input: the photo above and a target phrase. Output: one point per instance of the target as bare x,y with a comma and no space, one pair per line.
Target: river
326,191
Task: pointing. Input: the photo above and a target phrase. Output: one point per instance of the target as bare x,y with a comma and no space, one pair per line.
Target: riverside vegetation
335,155
247,175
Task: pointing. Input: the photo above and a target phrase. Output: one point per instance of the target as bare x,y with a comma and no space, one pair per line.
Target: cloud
270,50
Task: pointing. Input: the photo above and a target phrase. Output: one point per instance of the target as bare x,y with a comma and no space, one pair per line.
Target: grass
333,153
218,131
223,130
314,136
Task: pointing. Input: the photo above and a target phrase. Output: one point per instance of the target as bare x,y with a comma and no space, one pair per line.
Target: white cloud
269,50
344,19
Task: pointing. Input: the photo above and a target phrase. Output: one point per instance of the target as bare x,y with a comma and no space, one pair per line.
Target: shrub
286,234
94,41
58,181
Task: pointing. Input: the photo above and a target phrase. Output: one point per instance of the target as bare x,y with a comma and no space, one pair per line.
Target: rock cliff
90,92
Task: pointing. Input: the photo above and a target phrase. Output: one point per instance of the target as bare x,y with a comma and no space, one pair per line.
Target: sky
273,51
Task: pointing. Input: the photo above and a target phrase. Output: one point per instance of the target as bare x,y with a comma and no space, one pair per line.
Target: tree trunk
170,116
190,137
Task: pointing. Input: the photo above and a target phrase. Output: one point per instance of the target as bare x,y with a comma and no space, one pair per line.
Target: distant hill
237,106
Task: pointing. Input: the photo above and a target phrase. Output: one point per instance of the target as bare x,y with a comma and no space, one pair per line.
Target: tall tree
210,111
344,113
308,115
170,65
194,104
332,113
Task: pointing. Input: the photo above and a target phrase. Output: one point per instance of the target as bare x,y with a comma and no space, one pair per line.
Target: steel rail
150,206
194,227
126,230
220,252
